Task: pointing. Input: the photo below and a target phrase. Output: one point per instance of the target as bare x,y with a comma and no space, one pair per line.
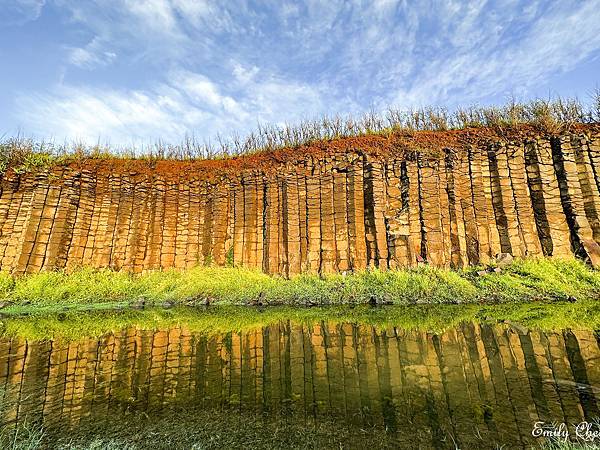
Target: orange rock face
337,206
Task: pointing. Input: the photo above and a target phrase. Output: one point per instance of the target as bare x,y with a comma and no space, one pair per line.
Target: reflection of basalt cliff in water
449,198
475,385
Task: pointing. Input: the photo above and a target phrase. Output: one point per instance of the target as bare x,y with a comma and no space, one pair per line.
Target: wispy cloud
163,68
510,55
18,12
184,104
92,55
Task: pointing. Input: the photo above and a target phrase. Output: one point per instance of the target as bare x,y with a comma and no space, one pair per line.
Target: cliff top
428,130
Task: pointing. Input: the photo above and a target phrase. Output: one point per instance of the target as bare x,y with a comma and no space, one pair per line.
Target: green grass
193,427
570,446
528,280
77,323
196,428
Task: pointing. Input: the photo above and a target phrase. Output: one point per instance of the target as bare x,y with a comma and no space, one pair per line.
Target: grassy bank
529,280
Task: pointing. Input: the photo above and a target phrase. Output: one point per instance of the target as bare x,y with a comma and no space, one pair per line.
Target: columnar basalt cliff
449,199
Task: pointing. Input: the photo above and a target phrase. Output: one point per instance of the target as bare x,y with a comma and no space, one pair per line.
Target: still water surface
476,385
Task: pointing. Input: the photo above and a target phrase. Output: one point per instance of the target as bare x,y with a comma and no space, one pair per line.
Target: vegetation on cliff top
546,115
532,279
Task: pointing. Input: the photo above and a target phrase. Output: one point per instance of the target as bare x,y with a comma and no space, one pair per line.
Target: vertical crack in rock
379,208
593,158
192,249
356,230
313,208
81,232
238,232
559,228
303,217
414,210
340,216
565,198
478,196
219,234
247,218
433,215
265,226
163,210
589,189
529,240
9,206
258,217
509,204
536,193
293,223
143,225
328,242
456,257
467,199
582,243
27,257
369,215
181,230
491,223
405,259
422,229
165,253
250,217
208,227
155,237
498,203
54,225
72,207
284,268
396,219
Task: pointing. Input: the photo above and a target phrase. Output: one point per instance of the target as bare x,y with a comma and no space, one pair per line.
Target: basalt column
324,211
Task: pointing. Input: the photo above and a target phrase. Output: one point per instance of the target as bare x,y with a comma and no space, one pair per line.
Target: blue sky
134,71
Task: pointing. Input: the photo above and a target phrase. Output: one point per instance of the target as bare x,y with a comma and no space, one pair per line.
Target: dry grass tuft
549,115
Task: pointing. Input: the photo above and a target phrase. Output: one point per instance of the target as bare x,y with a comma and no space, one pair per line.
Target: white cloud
208,67
492,62
92,55
91,115
187,103
18,12
157,15
243,75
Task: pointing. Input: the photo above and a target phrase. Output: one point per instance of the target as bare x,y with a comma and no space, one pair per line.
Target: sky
126,72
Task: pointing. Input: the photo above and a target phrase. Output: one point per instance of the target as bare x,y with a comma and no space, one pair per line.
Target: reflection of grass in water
522,280
204,429
25,436
195,428
72,325
570,446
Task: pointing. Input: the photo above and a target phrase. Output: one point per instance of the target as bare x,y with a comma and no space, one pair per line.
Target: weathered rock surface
335,210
